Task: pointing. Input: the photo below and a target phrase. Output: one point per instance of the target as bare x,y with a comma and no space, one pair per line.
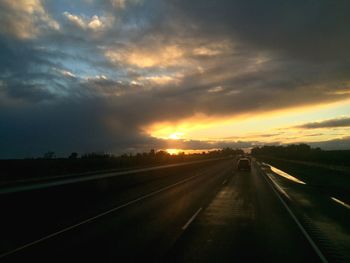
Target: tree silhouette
49,155
73,155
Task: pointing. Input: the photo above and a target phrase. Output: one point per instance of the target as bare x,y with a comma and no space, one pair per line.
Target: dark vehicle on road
243,164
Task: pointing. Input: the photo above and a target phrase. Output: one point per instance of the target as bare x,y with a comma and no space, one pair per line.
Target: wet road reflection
284,174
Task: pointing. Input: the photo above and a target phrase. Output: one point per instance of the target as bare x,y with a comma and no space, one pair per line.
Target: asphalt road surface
204,212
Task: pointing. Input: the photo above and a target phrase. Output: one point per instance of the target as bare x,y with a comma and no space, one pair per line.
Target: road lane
202,213
245,222
325,218
131,232
38,213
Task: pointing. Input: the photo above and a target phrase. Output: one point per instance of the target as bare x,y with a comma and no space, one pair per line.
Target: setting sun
175,131
173,151
176,135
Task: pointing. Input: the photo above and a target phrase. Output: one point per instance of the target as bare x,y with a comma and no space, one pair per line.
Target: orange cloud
24,19
164,56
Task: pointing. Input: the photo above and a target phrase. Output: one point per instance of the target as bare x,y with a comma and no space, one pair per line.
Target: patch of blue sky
87,8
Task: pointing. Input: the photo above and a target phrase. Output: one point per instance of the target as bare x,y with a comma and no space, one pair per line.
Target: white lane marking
96,176
191,219
312,243
341,202
224,182
277,185
97,216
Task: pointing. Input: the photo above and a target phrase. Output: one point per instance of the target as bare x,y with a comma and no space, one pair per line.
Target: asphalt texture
205,212
245,222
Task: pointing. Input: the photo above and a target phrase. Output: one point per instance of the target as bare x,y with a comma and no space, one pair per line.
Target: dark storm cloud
66,127
61,91
31,131
20,73
332,123
28,92
251,92
304,28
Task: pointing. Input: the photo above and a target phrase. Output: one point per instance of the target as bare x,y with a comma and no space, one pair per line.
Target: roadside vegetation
49,165
328,171
304,152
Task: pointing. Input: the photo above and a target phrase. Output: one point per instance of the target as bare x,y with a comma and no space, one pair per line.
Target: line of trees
147,156
304,152
49,164
293,150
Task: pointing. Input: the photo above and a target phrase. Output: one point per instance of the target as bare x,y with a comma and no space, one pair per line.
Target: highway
201,212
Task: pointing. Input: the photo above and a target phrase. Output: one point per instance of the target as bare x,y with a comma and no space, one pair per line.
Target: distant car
243,164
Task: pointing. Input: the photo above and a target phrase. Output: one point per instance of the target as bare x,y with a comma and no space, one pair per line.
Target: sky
133,75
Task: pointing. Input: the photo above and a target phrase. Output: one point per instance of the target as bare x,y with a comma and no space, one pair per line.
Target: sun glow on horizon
269,127
173,151
188,151
176,135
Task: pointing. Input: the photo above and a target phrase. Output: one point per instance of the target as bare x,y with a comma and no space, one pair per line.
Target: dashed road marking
98,216
191,219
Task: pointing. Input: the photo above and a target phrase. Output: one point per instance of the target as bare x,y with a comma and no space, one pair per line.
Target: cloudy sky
131,75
